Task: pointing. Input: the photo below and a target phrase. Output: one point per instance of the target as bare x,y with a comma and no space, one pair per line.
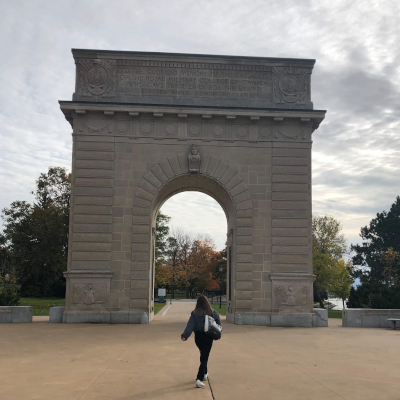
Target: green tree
9,291
329,246
162,232
382,233
389,260
37,235
374,294
5,258
340,281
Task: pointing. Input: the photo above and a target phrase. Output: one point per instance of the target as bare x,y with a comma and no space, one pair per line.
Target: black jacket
196,323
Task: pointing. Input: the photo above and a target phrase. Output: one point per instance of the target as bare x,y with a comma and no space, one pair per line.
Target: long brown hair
203,306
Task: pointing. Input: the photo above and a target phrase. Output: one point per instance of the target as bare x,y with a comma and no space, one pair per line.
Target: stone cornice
188,57
70,108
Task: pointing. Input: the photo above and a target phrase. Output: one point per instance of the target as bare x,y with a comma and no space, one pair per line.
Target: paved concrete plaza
68,361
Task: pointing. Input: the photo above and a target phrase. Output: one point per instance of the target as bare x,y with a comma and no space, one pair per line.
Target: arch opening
210,188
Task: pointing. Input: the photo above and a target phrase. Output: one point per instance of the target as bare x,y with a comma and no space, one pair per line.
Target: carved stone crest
96,78
290,85
88,293
194,160
290,296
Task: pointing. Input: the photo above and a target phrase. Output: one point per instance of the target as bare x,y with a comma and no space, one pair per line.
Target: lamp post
173,275
220,287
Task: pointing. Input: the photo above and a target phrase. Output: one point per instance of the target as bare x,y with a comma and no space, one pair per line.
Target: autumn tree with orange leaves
190,263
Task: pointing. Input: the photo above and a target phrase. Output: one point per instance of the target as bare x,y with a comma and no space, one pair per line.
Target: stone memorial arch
149,125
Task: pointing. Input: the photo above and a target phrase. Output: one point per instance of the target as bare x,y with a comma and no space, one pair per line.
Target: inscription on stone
186,81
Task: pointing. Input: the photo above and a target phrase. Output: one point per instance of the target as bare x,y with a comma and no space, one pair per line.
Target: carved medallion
240,131
194,160
218,131
96,78
290,84
170,130
194,130
265,132
145,128
122,127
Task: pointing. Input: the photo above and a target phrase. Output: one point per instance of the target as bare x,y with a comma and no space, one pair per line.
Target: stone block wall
131,143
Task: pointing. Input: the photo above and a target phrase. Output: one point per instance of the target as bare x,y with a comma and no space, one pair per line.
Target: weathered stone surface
321,315
98,146
94,200
92,237
56,314
21,314
368,318
147,126
194,80
94,173
5,315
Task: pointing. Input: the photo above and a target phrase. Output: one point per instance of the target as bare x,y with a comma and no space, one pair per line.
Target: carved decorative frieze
96,127
289,133
181,127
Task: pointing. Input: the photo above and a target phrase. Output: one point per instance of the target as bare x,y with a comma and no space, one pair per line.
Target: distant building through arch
149,125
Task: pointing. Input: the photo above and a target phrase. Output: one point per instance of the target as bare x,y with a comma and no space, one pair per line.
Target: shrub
374,295
9,292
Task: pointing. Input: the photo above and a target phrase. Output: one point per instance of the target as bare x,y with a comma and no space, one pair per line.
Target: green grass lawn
334,313
220,311
41,306
158,307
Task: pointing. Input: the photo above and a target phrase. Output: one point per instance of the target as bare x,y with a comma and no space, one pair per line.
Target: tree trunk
317,297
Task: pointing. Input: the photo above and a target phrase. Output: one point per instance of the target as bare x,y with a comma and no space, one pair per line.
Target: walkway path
58,361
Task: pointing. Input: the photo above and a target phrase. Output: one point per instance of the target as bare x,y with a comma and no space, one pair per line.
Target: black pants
204,343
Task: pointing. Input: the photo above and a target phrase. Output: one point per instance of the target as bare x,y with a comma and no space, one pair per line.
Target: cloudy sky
356,169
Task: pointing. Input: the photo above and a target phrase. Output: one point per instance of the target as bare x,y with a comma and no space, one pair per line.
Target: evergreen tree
382,233
162,232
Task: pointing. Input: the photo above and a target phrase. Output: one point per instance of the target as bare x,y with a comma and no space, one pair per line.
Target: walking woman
203,341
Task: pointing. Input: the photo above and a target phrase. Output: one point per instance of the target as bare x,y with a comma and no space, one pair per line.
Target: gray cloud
356,78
